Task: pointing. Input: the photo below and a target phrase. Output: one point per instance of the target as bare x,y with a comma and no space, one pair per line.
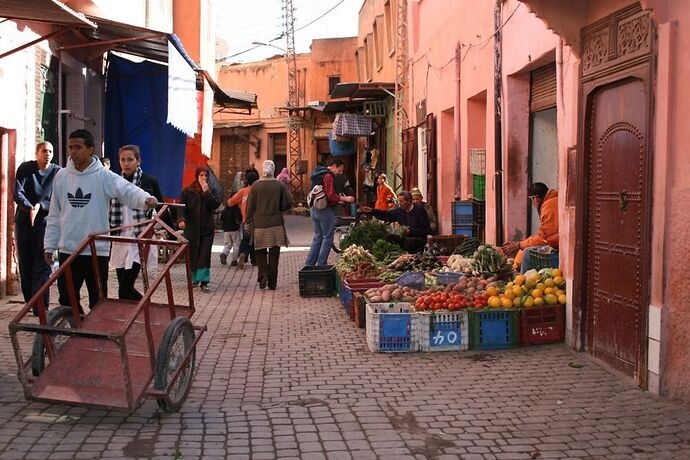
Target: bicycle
343,226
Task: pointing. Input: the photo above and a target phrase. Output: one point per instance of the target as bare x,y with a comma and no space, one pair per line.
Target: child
231,218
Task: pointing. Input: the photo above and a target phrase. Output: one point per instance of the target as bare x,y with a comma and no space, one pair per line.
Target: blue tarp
341,148
136,109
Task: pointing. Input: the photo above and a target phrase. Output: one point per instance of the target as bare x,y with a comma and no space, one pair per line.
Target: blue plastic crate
462,213
391,327
494,329
465,230
346,298
443,331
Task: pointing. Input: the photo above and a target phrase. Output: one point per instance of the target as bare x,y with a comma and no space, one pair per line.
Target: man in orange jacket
546,203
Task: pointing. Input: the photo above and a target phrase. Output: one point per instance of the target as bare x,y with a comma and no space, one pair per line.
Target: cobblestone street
280,376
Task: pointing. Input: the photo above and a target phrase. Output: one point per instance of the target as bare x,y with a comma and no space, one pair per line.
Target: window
333,81
378,43
389,25
368,58
358,63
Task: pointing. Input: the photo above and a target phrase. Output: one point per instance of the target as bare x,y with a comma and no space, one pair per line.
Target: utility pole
294,123
401,120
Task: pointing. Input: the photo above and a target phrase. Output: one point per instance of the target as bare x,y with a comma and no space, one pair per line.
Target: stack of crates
478,170
462,218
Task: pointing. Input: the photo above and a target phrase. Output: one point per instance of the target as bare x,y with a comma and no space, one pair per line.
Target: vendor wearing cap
417,198
546,203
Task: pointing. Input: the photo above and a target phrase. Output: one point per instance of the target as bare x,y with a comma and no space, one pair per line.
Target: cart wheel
176,341
59,317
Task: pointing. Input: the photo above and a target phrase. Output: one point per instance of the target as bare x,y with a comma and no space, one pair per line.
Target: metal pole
498,154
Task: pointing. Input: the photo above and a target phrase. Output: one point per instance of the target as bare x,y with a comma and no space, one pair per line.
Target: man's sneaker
223,259
240,261
233,263
205,288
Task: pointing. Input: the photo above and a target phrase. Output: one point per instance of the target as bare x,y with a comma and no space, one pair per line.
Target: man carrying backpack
324,219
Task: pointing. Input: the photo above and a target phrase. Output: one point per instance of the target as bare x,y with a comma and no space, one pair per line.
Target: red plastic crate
358,287
542,324
359,306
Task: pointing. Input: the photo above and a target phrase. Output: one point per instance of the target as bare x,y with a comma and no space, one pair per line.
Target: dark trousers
33,270
246,246
83,271
126,277
267,262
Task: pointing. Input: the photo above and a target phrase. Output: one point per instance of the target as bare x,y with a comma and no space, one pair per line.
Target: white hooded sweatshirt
80,204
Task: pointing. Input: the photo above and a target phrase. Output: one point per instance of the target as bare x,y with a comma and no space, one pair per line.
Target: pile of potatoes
391,293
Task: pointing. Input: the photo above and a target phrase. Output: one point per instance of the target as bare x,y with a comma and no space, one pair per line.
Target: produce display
415,263
487,260
532,289
365,234
459,264
391,293
385,251
358,263
468,247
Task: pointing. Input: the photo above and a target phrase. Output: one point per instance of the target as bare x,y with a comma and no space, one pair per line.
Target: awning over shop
372,90
237,124
48,11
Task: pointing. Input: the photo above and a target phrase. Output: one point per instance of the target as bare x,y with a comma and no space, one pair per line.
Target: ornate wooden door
409,139
617,193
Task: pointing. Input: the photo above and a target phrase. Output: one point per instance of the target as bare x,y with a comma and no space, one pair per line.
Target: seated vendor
546,203
412,216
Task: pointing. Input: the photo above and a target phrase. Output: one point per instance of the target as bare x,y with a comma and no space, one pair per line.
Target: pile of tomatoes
450,300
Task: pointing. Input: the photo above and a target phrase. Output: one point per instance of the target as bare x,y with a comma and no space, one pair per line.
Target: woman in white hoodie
81,199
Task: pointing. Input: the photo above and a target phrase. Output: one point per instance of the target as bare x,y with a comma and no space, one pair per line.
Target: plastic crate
448,243
445,278
359,305
478,161
391,327
542,324
538,260
464,230
443,331
478,212
462,213
478,187
494,329
338,282
352,287
346,299
317,281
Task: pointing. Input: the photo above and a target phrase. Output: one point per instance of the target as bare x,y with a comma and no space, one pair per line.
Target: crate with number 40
443,331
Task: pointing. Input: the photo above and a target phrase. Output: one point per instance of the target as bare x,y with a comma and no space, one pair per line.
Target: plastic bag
414,280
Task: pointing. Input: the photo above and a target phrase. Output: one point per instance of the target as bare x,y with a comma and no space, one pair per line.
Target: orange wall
268,80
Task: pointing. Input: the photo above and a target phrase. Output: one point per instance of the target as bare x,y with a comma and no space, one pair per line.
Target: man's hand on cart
151,202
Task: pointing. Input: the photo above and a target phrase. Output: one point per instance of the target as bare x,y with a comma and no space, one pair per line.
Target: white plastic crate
443,330
392,327
478,161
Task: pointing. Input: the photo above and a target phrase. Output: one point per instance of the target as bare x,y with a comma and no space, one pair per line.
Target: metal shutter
542,88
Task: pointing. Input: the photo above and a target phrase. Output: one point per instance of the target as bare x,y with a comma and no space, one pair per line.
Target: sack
316,198
415,280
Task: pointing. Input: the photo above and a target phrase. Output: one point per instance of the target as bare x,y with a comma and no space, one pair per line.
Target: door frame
642,69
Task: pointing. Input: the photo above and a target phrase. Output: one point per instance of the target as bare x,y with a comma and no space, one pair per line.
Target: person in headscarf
268,200
198,223
284,176
124,257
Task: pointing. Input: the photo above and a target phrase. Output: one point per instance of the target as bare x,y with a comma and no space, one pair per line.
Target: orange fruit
549,290
562,299
558,281
548,282
509,294
517,302
541,286
492,291
556,273
517,290
520,280
551,299
559,292
529,302
538,301
537,293
507,303
494,302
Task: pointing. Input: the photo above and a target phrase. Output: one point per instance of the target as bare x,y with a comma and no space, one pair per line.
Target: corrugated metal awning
48,11
373,90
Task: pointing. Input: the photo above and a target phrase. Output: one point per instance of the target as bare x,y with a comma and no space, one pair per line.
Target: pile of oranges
530,290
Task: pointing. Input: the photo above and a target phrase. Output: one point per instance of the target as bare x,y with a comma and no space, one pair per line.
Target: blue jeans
324,225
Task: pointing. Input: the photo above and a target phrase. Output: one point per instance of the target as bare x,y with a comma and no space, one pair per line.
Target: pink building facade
592,104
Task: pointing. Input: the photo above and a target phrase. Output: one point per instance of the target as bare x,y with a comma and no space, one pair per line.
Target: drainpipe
458,127
498,147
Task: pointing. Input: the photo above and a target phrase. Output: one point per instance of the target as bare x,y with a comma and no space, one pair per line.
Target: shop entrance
616,208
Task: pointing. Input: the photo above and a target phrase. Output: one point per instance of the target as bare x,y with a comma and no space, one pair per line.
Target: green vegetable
383,248
365,234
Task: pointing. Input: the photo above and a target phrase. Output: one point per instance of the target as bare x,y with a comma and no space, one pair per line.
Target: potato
376,298
386,295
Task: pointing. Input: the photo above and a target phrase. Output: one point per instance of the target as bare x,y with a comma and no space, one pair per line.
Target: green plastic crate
478,187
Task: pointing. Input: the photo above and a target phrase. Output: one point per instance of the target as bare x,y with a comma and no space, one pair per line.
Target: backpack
316,198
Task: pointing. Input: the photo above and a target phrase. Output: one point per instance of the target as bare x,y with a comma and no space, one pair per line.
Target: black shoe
233,263
241,260
272,287
223,259
262,282
204,288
